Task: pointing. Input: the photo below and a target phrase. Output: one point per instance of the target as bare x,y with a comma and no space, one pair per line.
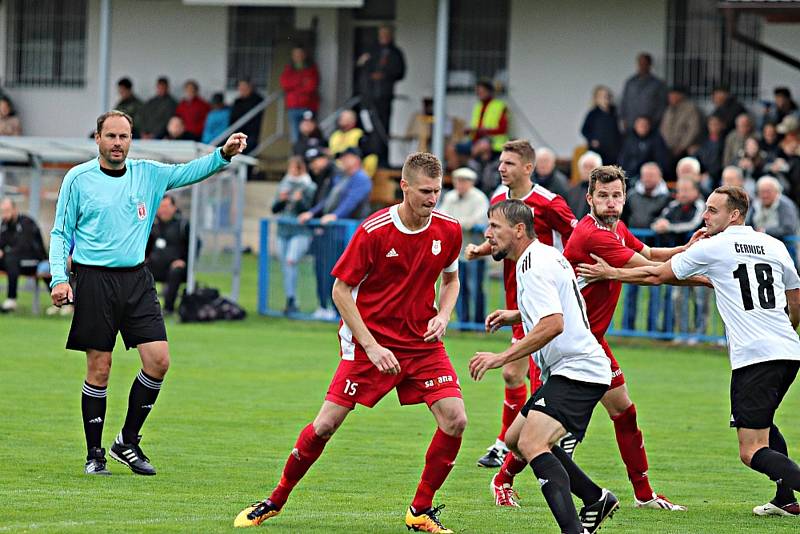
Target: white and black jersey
751,272
546,285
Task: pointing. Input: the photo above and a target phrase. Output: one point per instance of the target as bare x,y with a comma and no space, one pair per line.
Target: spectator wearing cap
217,120
322,169
680,126
547,174
727,107
193,109
601,126
344,196
156,112
300,83
128,102
310,136
784,106
489,117
734,141
643,95
469,206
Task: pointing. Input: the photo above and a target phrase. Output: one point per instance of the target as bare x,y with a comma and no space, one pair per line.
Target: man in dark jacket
382,67
152,118
168,250
21,249
247,100
643,144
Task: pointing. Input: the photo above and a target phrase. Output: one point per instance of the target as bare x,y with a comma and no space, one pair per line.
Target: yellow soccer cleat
255,514
426,521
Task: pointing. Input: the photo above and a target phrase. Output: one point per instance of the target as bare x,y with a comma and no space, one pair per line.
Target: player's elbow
555,325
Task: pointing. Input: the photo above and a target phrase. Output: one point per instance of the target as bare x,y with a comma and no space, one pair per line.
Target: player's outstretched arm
793,303
382,357
448,295
661,254
543,333
646,275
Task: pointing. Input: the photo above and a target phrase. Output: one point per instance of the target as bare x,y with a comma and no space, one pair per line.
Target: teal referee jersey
109,217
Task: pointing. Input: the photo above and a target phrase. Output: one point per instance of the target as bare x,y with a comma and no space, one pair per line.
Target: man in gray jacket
772,212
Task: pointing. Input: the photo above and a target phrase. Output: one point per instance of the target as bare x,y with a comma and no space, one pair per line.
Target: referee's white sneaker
659,502
131,454
791,509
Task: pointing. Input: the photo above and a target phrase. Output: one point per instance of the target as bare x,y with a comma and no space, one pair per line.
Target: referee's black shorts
758,389
570,402
110,300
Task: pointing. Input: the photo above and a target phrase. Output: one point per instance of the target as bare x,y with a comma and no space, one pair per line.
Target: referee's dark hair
516,212
113,113
737,198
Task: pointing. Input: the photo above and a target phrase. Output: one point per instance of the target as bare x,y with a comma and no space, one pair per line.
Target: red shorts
617,378
534,373
426,378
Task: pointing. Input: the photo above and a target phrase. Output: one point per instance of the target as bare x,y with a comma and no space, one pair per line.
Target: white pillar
440,79
104,66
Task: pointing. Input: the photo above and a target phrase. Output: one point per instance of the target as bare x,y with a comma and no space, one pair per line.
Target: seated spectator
490,117
193,109
600,127
310,136
726,107
21,249
469,206
344,196
643,144
710,152
770,141
485,163
576,196
176,131
9,122
786,166
349,135
154,115
248,99
217,120
734,142
128,102
648,198
167,250
677,223
772,212
733,175
784,106
295,195
682,123
547,175
689,167
300,83
751,158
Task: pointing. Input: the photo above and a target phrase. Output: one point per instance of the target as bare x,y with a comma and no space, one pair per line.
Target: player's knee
530,448
512,377
325,428
455,424
158,365
746,456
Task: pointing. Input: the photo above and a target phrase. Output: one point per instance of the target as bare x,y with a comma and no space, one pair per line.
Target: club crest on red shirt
141,210
436,247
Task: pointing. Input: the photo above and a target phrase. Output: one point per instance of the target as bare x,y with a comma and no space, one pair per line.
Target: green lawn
238,394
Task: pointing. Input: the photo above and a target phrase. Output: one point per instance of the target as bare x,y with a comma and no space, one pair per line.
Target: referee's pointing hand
235,144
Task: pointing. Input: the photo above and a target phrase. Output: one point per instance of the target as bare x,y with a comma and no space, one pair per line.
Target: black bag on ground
206,304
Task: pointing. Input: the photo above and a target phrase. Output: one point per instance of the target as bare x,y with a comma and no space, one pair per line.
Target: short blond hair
421,163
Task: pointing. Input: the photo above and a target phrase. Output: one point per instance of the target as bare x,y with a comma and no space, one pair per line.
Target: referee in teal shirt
107,206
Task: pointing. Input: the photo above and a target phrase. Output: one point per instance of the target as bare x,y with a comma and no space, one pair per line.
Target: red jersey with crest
616,247
553,222
393,271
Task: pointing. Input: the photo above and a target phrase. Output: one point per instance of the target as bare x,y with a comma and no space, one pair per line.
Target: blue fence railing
296,261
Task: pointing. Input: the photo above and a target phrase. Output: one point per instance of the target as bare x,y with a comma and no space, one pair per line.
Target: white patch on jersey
141,210
392,254
436,247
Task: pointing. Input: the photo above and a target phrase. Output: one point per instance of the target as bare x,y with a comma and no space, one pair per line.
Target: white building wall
785,37
560,50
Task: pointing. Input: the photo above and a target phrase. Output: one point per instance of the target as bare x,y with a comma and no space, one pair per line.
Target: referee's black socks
554,481
144,392
93,409
777,467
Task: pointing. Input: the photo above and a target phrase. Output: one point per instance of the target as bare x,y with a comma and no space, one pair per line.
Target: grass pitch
238,394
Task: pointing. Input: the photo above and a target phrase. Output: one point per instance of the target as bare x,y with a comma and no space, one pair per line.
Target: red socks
306,450
631,448
513,403
439,461
510,468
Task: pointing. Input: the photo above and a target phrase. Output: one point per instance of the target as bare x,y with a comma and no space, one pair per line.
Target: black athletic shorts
570,402
757,390
110,300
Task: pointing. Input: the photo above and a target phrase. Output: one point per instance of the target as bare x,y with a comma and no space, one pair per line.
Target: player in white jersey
756,283
575,369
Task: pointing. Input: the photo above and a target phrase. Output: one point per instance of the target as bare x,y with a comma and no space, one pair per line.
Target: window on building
252,32
701,53
477,43
46,43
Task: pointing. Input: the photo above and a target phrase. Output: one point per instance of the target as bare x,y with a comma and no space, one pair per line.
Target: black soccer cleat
131,455
96,462
592,516
493,458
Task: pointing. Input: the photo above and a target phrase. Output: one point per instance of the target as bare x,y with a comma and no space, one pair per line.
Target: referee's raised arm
201,168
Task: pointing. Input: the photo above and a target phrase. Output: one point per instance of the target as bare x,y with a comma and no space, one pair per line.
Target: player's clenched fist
482,362
471,252
61,294
383,359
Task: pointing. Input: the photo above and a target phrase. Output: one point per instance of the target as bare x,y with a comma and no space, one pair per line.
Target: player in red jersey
553,222
390,337
602,234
